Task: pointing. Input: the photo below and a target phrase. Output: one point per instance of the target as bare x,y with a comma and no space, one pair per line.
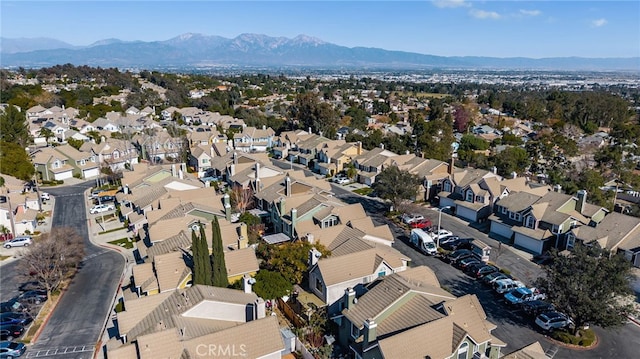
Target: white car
23,241
409,218
443,233
342,180
101,208
44,196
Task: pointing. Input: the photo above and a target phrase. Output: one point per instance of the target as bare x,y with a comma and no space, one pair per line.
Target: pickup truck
523,294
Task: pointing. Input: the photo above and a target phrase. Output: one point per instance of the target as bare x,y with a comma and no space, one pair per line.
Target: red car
422,224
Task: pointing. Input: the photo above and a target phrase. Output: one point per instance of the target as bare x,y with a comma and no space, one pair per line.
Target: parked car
10,350
32,297
11,331
44,196
22,241
458,255
442,233
466,262
454,242
11,306
523,294
553,320
483,270
536,307
421,224
104,199
490,278
33,285
504,285
409,218
10,318
95,193
101,208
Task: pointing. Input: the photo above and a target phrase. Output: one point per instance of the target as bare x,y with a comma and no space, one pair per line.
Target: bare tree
241,198
53,258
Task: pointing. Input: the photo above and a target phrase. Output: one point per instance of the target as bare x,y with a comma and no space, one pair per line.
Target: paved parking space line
59,351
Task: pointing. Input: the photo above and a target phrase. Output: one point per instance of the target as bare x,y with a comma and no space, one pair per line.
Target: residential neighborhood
309,226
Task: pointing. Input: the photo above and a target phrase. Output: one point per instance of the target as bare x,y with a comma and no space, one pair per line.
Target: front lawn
123,242
364,191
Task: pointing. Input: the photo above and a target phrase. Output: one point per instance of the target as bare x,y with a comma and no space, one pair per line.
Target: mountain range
256,50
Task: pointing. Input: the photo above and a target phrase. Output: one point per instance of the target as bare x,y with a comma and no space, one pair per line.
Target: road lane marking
60,351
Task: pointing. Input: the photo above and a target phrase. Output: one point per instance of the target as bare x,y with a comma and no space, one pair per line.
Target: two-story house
115,153
538,223
252,139
335,155
410,307
370,163
471,192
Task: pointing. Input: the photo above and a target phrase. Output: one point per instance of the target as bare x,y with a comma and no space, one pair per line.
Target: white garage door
532,245
93,172
466,213
64,175
501,229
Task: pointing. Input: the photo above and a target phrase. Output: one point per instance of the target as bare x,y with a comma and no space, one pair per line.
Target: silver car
23,241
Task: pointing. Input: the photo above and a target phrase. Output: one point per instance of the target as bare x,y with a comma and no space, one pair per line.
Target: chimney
382,146
287,186
370,332
264,127
320,133
261,311
359,147
451,164
282,206
180,174
243,238
557,188
407,152
294,219
310,238
257,175
494,170
232,170
247,283
350,298
314,256
126,189
311,132
173,170
582,199
227,207
514,174
235,157
212,152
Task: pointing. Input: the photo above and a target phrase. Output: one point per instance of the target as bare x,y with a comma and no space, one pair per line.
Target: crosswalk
80,351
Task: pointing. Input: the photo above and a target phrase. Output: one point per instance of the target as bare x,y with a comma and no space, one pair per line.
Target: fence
293,317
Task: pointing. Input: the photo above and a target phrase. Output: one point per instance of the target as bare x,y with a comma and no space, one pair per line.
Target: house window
514,215
116,154
355,331
318,285
447,186
56,164
556,229
530,222
462,351
382,273
479,199
503,210
469,197
571,241
82,162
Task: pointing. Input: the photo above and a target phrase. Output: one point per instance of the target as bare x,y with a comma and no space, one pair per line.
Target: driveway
76,324
513,328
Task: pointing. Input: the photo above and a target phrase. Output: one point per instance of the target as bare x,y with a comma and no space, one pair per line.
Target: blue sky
512,28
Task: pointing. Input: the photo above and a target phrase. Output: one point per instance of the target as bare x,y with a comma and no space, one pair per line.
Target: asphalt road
76,324
514,328
9,281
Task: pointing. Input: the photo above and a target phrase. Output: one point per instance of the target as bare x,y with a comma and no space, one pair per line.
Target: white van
423,241
505,285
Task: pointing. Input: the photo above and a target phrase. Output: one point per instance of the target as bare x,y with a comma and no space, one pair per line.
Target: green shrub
505,271
584,337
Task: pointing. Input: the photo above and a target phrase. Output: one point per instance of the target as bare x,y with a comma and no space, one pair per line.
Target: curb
634,320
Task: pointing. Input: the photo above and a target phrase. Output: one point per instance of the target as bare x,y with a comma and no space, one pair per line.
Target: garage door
92,172
64,175
466,213
501,229
532,245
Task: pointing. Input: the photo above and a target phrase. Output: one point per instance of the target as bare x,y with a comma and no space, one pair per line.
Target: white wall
501,229
530,244
63,175
218,310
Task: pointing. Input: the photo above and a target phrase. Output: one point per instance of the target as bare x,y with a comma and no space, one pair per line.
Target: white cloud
450,3
481,14
530,12
598,22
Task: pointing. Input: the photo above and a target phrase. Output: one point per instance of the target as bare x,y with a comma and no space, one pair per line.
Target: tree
205,257
512,159
219,268
53,258
588,285
396,185
461,119
14,127
307,111
271,285
291,259
46,133
241,198
197,272
75,143
15,161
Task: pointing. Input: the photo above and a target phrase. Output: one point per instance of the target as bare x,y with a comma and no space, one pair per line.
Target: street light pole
439,220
